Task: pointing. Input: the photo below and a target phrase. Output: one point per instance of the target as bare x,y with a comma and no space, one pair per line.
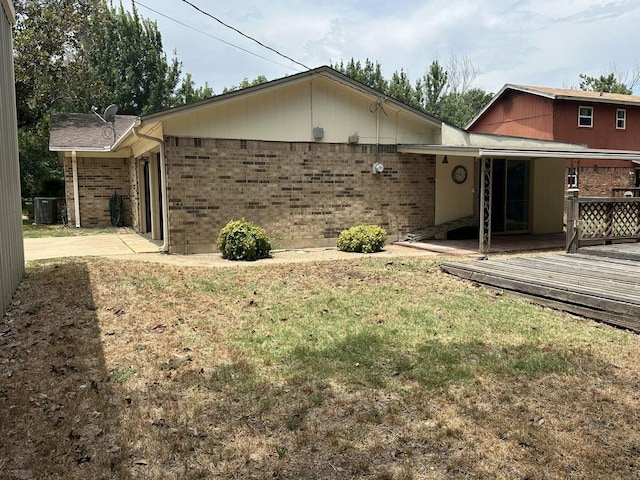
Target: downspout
163,176
76,189
378,132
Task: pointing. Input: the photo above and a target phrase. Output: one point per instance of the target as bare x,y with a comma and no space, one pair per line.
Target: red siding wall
518,114
603,134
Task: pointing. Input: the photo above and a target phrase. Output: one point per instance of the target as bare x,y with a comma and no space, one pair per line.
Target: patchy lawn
31,230
365,368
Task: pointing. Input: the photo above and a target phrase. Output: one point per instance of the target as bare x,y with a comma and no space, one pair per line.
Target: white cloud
540,42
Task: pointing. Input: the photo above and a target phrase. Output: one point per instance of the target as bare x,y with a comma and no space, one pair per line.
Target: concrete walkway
88,245
128,244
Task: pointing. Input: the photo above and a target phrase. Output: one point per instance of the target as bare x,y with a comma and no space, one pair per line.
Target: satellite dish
109,119
110,113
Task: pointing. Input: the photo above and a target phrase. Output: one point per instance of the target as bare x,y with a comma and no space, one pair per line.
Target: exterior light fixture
445,159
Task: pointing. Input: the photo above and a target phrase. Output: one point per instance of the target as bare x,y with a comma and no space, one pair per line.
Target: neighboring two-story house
596,119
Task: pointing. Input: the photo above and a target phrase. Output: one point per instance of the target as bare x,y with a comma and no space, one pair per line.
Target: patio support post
486,166
76,189
573,221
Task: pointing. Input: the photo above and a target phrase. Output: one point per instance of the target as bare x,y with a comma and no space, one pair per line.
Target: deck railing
625,192
593,219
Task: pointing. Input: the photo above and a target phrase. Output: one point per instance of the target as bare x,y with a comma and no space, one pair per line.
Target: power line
214,37
245,35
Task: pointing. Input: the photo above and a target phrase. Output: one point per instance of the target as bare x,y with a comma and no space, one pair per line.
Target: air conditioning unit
45,210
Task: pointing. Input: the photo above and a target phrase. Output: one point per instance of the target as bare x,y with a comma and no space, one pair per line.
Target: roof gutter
479,152
163,176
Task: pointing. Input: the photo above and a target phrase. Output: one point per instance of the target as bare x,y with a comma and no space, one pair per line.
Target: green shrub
242,240
362,238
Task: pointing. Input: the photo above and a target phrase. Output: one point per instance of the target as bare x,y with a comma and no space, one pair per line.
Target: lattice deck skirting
609,218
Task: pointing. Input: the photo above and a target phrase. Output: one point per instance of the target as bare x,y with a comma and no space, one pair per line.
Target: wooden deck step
440,231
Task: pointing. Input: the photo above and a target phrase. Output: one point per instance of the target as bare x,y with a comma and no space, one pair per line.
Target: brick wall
303,194
599,182
97,180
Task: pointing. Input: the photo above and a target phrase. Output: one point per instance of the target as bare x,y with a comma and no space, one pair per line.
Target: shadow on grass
58,411
371,360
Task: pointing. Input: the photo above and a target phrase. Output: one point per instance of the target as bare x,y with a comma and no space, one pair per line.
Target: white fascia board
459,151
481,152
92,153
118,144
9,10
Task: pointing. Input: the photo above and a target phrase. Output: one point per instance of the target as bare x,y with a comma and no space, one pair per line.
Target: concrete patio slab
88,245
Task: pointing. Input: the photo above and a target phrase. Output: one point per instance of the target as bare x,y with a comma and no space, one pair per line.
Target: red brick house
597,120
304,157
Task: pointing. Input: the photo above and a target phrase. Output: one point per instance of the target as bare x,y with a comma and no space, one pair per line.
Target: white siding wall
290,113
11,247
454,200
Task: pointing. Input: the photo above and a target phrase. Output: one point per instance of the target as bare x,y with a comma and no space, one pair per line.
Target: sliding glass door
510,196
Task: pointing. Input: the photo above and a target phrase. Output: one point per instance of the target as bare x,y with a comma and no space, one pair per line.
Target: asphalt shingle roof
581,94
85,131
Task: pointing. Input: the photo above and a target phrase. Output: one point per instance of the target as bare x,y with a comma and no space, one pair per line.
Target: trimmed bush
363,239
242,240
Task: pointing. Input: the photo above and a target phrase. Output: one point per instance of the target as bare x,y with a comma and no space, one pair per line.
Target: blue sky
534,42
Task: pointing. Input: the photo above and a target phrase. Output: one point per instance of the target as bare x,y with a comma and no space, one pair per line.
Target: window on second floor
585,116
572,177
621,119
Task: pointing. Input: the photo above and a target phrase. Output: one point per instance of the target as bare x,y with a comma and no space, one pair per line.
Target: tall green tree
51,75
434,87
460,108
187,93
72,54
446,93
50,70
245,83
604,83
401,89
125,52
369,74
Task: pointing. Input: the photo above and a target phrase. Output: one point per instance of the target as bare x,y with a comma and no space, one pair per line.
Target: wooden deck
604,288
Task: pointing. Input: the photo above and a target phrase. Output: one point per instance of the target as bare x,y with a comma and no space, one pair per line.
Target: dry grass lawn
365,368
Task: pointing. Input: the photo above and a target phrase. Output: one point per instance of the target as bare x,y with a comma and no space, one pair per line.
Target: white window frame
580,116
623,125
572,177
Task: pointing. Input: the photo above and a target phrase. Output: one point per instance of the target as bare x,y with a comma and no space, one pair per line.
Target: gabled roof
323,71
560,94
85,131
568,94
